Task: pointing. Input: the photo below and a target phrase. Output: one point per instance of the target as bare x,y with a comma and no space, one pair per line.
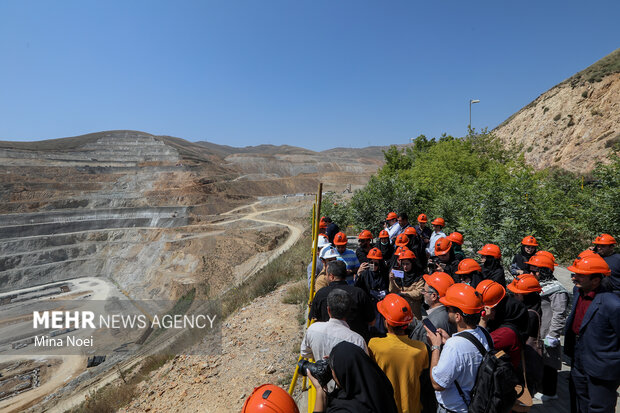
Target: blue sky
316,74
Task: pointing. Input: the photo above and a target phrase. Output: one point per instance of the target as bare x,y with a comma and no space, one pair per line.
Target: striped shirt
350,259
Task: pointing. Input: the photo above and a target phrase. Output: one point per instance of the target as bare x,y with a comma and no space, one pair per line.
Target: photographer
362,385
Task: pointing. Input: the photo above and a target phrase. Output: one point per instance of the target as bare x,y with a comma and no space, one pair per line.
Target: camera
320,370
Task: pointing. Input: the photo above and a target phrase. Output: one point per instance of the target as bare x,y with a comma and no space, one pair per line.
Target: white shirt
431,245
321,337
393,231
459,360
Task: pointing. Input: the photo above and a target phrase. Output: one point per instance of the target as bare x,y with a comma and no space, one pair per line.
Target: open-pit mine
124,217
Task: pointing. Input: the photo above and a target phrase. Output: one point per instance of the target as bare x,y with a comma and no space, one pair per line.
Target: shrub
492,196
557,117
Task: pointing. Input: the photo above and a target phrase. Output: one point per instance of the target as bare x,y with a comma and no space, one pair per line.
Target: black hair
404,216
339,303
327,219
471,320
337,268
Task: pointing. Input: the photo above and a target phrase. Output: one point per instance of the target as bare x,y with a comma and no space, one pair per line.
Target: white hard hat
322,241
329,252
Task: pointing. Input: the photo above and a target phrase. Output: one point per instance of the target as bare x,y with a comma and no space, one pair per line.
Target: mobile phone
428,323
398,273
372,267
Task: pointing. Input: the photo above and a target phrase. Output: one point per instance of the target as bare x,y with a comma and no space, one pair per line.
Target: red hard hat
492,250
541,261
322,224
604,239
396,310
340,239
468,266
463,297
442,246
401,240
391,215
524,284
365,234
269,398
410,231
400,250
422,218
406,255
530,241
439,221
491,292
439,281
547,254
375,254
456,237
590,264
384,234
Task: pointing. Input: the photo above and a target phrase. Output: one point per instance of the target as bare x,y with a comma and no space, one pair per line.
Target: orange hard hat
491,292
269,398
586,253
541,261
340,239
456,237
375,254
590,264
492,250
530,241
365,234
463,297
604,239
422,218
442,246
322,224
439,281
396,310
391,215
439,221
524,284
406,255
410,231
400,250
384,234
467,266
547,254
401,240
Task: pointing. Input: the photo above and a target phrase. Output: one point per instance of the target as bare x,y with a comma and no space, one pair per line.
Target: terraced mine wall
92,204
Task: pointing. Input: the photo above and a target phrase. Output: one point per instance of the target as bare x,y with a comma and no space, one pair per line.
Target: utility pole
470,102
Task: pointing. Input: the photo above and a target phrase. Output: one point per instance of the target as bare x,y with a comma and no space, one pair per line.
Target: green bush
490,195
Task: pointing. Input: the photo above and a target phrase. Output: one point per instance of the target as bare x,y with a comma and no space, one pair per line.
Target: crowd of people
406,319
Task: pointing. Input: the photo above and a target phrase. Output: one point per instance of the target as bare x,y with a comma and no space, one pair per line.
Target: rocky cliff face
574,124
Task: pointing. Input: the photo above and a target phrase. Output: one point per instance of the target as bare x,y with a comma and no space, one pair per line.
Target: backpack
494,390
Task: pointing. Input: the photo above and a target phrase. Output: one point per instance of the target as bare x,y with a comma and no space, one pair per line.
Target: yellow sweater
402,360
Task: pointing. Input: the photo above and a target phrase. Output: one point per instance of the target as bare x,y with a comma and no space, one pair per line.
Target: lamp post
470,102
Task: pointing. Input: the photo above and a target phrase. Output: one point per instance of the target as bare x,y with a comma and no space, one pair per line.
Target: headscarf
522,257
365,387
510,311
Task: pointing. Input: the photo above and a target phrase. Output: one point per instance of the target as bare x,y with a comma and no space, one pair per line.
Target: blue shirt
350,258
431,245
459,360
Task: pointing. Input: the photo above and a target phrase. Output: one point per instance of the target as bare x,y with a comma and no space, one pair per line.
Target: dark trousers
550,381
591,395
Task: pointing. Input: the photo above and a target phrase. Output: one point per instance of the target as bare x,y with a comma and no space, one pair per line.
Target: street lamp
470,102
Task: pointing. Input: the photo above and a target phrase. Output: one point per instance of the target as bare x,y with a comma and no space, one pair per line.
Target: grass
110,398
288,266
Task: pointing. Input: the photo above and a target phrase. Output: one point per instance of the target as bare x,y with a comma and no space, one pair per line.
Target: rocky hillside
574,124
